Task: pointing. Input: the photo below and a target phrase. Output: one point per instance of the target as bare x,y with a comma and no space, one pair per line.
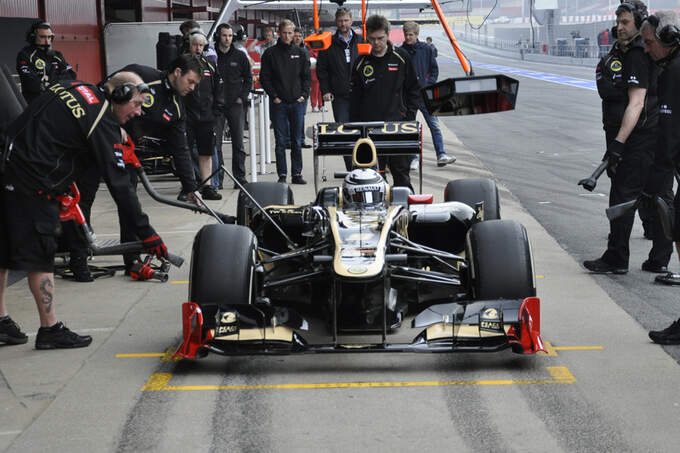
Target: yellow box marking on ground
157,381
168,355
540,276
141,354
160,381
179,282
561,374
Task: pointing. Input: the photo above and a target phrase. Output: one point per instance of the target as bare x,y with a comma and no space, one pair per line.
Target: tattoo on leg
46,290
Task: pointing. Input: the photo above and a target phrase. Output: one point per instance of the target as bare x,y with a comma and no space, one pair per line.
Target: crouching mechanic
70,129
661,36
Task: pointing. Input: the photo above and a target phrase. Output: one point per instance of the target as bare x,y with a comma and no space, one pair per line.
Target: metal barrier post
267,135
264,130
251,139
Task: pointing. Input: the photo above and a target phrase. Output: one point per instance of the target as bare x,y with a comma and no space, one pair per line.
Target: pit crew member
68,130
626,81
38,65
384,87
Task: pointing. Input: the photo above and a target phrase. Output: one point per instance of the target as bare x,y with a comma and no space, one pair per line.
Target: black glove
614,154
154,246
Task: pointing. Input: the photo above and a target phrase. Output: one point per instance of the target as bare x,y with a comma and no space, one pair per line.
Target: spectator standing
427,71
299,41
626,82
185,28
67,131
384,87
431,44
334,66
234,67
285,77
269,41
38,65
315,89
203,106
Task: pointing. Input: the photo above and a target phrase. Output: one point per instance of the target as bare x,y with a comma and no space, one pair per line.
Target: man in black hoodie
234,68
286,77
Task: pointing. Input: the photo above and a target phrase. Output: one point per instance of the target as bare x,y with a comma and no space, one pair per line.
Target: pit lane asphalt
622,397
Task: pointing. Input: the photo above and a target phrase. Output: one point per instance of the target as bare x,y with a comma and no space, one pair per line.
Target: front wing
480,326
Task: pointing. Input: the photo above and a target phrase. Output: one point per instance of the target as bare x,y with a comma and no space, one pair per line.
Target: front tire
501,266
223,266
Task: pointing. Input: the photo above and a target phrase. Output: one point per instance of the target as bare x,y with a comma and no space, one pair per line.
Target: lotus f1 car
365,267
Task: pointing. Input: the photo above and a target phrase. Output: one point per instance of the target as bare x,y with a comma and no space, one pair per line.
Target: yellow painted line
168,356
578,348
141,354
540,276
160,382
179,282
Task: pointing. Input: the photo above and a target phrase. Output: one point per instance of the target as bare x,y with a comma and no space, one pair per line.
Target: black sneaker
669,335
209,193
650,266
10,333
599,266
60,337
298,180
305,145
282,178
183,196
80,269
670,278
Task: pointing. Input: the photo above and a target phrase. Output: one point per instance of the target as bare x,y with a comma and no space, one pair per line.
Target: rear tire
501,266
223,266
474,190
266,194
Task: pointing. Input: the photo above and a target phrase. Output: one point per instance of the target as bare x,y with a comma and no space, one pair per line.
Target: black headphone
669,35
122,94
638,15
31,34
239,32
218,30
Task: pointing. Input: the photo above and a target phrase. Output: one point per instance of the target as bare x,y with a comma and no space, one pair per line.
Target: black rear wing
390,138
471,95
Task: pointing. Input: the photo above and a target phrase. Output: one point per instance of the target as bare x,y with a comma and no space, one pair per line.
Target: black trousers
233,114
626,185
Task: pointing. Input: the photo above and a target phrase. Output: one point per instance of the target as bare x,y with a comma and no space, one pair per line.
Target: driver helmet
364,186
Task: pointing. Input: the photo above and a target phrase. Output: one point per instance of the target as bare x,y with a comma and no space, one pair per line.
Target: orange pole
316,18
363,17
440,14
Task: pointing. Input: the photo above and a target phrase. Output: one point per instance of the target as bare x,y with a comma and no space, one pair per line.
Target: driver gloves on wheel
614,154
154,246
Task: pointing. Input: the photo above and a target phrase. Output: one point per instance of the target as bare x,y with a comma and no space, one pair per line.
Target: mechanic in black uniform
38,65
164,117
661,36
234,67
626,82
384,87
68,130
334,67
203,106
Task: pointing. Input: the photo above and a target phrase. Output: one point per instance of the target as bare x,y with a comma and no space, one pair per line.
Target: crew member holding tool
70,129
626,82
38,65
661,35
384,87
204,105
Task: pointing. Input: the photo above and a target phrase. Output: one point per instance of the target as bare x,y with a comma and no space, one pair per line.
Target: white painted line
9,433
595,194
545,202
99,329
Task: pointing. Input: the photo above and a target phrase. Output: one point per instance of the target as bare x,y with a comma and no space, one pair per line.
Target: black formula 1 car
363,266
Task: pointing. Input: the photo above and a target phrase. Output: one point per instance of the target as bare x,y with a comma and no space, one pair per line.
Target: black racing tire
223,266
499,255
266,194
474,190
